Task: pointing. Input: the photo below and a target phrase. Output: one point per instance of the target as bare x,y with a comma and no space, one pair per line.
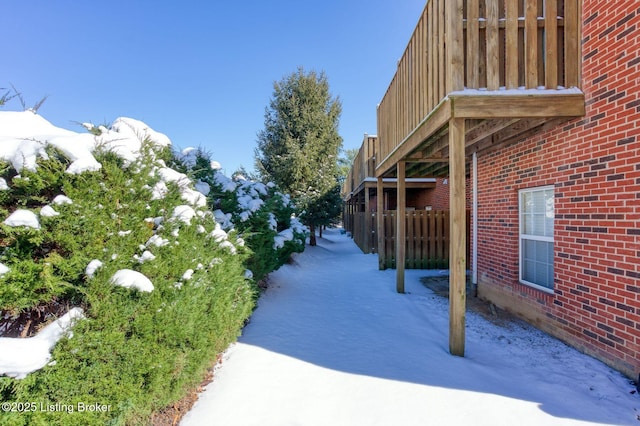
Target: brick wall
437,198
594,165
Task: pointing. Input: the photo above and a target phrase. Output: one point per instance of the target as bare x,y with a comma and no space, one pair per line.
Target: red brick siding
594,165
437,198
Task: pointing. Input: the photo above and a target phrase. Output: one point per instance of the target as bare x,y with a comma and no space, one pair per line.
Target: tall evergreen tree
299,145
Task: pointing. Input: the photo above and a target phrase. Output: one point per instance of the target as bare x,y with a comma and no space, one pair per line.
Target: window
536,237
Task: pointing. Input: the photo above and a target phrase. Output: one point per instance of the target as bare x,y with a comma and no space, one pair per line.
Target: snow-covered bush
260,214
98,221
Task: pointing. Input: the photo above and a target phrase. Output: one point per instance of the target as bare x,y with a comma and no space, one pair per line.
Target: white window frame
522,236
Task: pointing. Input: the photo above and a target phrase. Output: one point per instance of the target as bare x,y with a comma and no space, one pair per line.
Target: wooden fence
427,241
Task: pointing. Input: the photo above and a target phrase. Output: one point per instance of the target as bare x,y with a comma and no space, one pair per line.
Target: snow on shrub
23,356
258,212
24,218
124,218
132,279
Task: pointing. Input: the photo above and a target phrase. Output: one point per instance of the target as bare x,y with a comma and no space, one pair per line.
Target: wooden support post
368,238
380,223
349,216
457,229
401,231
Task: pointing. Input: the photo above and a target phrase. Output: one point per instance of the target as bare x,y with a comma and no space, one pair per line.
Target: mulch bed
440,286
171,415
29,322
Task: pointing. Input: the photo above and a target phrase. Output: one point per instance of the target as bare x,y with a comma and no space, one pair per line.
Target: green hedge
135,352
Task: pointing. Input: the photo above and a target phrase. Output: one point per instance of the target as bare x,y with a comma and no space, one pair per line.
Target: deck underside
493,121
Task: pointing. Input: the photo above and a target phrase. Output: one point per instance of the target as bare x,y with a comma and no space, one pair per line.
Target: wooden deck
507,67
476,75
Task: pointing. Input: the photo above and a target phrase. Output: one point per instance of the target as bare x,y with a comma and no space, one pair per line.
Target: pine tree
299,145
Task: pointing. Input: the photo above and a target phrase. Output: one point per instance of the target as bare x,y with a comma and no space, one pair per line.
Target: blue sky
201,72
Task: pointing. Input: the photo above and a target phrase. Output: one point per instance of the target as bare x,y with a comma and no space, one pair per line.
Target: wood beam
438,146
457,226
518,131
533,105
380,222
435,169
486,129
425,160
401,231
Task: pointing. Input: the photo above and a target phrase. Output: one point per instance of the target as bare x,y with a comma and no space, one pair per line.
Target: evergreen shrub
135,352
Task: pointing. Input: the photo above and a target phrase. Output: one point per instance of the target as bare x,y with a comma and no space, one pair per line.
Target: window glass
536,236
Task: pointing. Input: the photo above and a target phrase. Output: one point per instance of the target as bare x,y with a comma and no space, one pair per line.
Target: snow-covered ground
332,343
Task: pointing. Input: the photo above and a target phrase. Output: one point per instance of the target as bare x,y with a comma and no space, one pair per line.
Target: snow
229,246
250,204
159,191
84,164
48,211
157,240
166,174
21,356
193,197
188,274
224,219
3,269
128,278
225,182
62,199
170,175
503,91
218,234
332,343
23,218
282,237
189,156
183,213
92,267
203,187
146,256
25,135
273,222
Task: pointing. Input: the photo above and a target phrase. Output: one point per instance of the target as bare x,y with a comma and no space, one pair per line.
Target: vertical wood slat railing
363,166
427,241
419,83
515,44
364,162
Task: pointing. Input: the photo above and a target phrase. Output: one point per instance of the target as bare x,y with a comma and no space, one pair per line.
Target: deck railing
364,164
479,44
